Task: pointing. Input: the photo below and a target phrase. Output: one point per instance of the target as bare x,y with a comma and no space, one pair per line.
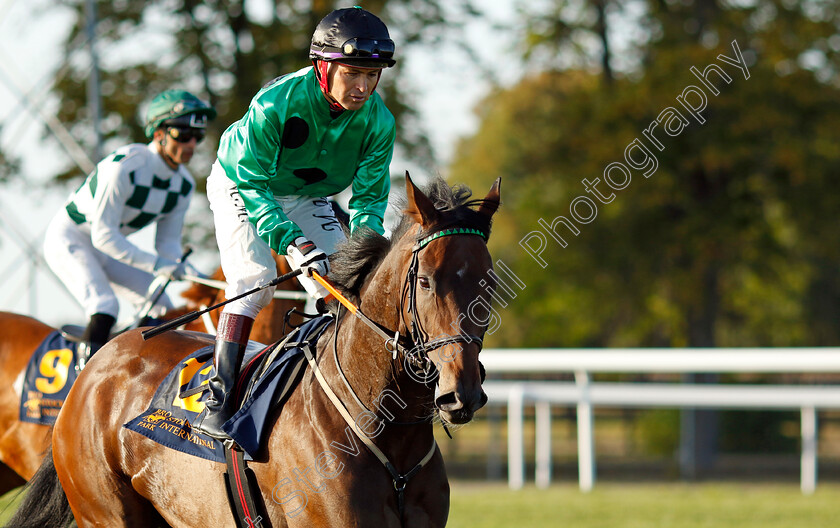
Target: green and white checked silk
128,190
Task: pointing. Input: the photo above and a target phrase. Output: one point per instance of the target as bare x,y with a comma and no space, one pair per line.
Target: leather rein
415,349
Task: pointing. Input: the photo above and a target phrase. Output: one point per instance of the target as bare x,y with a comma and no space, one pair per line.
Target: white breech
92,277
246,259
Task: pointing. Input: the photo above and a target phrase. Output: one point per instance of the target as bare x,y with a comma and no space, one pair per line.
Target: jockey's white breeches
91,276
246,259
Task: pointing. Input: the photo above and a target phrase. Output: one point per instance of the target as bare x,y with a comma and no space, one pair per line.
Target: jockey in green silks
306,136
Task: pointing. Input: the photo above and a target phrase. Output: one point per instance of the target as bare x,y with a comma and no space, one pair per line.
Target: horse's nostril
448,402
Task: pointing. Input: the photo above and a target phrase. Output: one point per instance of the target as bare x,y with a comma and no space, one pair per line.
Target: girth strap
400,481
240,483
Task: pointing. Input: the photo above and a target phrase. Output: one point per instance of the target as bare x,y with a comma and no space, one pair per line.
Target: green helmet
177,108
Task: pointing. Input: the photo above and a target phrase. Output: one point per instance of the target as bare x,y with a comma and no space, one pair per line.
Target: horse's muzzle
458,409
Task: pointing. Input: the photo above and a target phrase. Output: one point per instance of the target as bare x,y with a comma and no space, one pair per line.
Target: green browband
446,232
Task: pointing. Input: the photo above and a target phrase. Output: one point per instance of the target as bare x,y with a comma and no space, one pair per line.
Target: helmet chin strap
322,72
166,157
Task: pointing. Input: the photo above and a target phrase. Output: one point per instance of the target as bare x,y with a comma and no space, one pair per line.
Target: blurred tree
225,51
710,249
729,240
8,166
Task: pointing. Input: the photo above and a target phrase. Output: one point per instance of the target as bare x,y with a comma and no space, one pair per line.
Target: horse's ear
492,200
419,207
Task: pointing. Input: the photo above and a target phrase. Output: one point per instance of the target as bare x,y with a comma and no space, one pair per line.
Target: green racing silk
290,144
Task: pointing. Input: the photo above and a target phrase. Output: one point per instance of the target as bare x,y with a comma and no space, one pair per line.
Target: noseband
415,349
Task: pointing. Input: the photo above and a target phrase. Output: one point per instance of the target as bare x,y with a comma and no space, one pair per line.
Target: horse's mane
362,253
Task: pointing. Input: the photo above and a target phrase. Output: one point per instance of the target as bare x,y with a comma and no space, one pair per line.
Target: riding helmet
177,108
355,37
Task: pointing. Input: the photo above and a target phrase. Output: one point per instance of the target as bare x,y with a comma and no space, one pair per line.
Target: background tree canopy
730,240
225,51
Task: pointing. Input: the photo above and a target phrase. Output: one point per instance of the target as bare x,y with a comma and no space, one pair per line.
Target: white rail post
543,444
585,434
809,451
516,443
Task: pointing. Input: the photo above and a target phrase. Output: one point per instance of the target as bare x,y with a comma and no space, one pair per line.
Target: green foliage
658,431
224,52
722,244
759,432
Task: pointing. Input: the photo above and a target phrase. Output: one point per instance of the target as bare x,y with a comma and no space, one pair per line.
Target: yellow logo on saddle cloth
163,420
185,376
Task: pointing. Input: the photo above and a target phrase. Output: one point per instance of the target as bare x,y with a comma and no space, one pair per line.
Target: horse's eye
424,282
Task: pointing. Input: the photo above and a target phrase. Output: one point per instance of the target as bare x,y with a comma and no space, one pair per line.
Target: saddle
73,333
267,378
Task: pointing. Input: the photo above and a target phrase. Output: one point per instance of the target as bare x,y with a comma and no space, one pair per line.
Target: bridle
418,353
415,349
416,345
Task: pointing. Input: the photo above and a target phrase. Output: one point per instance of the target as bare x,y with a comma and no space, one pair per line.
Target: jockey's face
352,86
173,152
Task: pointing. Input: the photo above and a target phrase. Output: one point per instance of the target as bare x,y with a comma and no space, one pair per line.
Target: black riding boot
94,337
231,341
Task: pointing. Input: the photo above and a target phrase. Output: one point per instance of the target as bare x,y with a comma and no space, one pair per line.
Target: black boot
231,341
94,337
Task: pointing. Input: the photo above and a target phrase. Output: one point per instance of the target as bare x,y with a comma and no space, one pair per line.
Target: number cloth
47,379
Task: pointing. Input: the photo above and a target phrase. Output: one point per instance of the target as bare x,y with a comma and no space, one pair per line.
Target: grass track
478,505
644,506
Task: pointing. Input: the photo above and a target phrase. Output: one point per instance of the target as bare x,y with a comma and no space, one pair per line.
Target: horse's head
447,293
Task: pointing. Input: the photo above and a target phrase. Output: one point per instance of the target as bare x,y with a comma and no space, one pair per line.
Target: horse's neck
369,367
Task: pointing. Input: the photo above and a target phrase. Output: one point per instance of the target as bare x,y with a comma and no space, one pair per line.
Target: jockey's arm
249,160
169,231
372,182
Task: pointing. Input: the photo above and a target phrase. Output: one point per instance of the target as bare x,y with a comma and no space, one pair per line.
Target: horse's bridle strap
376,327
399,480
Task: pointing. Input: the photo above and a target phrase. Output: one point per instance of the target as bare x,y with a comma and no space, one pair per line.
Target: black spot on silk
295,132
310,176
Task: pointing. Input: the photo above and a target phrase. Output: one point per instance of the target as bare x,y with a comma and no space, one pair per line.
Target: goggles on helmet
194,120
373,50
185,134
368,48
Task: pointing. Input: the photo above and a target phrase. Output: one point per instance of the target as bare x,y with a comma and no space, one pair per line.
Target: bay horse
421,283
24,444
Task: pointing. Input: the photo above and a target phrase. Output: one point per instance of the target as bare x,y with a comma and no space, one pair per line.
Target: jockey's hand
306,257
170,268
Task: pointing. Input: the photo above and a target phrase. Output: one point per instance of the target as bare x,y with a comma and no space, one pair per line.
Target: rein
418,345
400,480
395,345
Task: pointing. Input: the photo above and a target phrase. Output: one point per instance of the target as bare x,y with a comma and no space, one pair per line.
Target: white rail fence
586,394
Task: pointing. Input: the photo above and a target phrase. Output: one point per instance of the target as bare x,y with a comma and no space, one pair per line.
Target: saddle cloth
267,378
47,379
